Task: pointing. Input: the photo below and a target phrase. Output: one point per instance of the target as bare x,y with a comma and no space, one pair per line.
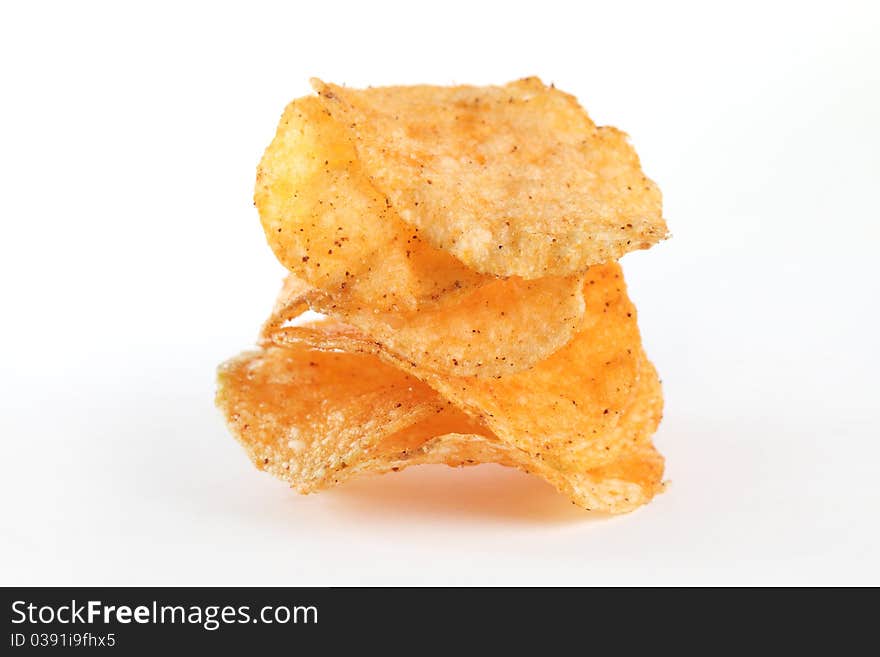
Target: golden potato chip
566,407
297,416
629,479
513,180
355,257
316,409
329,226
496,329
617,487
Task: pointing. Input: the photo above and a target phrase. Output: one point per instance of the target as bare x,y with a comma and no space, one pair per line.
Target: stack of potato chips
460,245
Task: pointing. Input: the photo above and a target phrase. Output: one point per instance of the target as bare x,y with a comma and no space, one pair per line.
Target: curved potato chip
513,180
566,407
629,478
314,444
329,226
500,328
312,402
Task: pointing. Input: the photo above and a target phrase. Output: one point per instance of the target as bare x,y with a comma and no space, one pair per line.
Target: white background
133,263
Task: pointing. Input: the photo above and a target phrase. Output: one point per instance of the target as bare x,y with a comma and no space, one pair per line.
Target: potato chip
513,180
292,410
302,413
336,233
330,227
497,329
630,478
566,407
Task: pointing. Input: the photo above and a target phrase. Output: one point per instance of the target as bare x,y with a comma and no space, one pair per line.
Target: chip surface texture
513,180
